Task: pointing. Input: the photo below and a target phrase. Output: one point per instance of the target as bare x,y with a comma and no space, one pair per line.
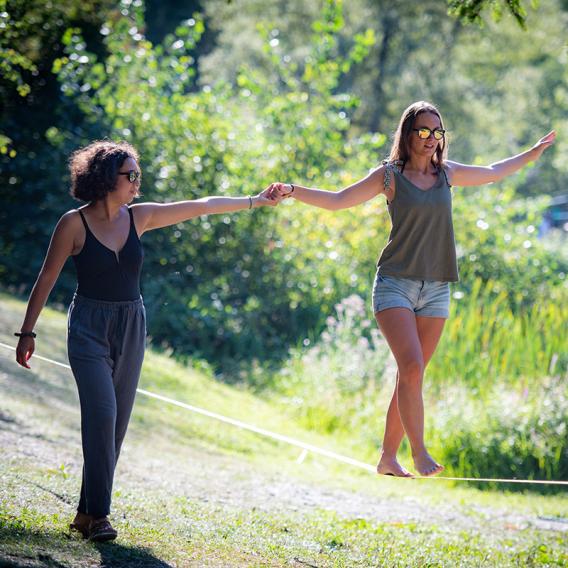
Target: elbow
497,174
336,203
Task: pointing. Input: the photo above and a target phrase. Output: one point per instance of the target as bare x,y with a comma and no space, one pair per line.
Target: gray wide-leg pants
105,343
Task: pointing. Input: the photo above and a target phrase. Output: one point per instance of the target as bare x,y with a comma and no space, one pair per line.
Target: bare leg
413,341
429,333
394,433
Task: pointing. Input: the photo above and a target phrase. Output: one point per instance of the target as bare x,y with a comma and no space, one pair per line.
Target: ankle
420,453
388,455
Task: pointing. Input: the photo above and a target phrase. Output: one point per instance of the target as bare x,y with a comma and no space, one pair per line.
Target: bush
507,433
332,385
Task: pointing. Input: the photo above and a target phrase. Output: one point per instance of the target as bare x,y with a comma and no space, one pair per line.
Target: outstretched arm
157,215
463,175
355,194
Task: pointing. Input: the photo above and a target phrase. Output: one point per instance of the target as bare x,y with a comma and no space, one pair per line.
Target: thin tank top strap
446,176
387,178
84,221
132,223
390,167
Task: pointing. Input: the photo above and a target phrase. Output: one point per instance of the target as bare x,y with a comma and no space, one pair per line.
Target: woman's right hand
280,191
24,351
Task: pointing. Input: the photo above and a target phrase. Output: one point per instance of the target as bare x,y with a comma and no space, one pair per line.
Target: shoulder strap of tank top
84,221
390,167
446,176
132,223
387,180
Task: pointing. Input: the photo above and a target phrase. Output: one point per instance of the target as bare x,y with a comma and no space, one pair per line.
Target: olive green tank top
421,243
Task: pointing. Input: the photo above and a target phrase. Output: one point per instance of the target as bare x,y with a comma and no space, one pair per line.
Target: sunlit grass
484,341
159,522
496,402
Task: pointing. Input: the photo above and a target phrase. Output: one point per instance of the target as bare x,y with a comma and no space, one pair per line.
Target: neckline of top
439,177
115,253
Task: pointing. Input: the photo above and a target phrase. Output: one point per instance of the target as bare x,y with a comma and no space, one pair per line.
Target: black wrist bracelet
25,334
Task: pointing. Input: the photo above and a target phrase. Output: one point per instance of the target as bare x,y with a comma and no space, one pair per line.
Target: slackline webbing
299,444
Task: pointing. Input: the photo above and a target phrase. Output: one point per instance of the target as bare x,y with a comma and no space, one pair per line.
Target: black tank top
101,275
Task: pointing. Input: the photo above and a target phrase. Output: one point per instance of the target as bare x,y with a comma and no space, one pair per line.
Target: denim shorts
426,298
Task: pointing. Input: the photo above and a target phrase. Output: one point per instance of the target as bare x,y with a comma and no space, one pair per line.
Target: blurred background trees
225,97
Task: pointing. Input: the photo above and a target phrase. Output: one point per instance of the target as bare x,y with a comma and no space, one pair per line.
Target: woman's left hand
266,197
543,144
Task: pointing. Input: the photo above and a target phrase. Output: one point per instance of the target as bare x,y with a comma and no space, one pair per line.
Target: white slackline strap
298,443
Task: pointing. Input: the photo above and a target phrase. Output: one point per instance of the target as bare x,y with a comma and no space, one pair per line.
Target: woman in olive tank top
411,289
107,320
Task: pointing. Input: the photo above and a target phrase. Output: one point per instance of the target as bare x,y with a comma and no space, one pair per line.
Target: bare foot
390,466
426,466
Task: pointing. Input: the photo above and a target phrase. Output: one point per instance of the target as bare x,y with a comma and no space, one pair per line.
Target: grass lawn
192,491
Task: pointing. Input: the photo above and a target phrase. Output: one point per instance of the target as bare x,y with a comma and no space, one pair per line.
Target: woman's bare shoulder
70,222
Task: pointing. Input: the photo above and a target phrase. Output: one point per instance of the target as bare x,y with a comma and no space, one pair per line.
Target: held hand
280,190
266,198
543,144
24,351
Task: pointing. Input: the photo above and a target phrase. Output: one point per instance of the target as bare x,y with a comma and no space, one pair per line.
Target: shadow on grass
39,383
24,547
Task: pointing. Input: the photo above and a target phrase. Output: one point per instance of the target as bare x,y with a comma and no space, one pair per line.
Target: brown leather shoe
81,524
100,530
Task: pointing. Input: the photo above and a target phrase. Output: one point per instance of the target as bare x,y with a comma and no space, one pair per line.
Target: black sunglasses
425,133
133,175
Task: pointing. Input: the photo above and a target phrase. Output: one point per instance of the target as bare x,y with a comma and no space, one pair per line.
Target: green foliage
518,431
207,283
498,241
487,416
499,88
33,116
332,385
13,63
471,10
244,287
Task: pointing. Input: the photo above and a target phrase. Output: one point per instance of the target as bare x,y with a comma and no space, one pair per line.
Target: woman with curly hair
411,293
107,322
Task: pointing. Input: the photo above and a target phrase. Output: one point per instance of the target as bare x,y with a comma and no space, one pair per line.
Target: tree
32,114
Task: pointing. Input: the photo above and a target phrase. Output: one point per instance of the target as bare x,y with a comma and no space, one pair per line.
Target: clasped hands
275,193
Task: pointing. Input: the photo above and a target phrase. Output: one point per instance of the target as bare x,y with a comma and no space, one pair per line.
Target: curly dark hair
94,168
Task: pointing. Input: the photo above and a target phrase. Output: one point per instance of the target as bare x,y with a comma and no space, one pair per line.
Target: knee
411,371
100,416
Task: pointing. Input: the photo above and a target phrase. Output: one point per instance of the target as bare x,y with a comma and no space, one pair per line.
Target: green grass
190,491
493,409
485,339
